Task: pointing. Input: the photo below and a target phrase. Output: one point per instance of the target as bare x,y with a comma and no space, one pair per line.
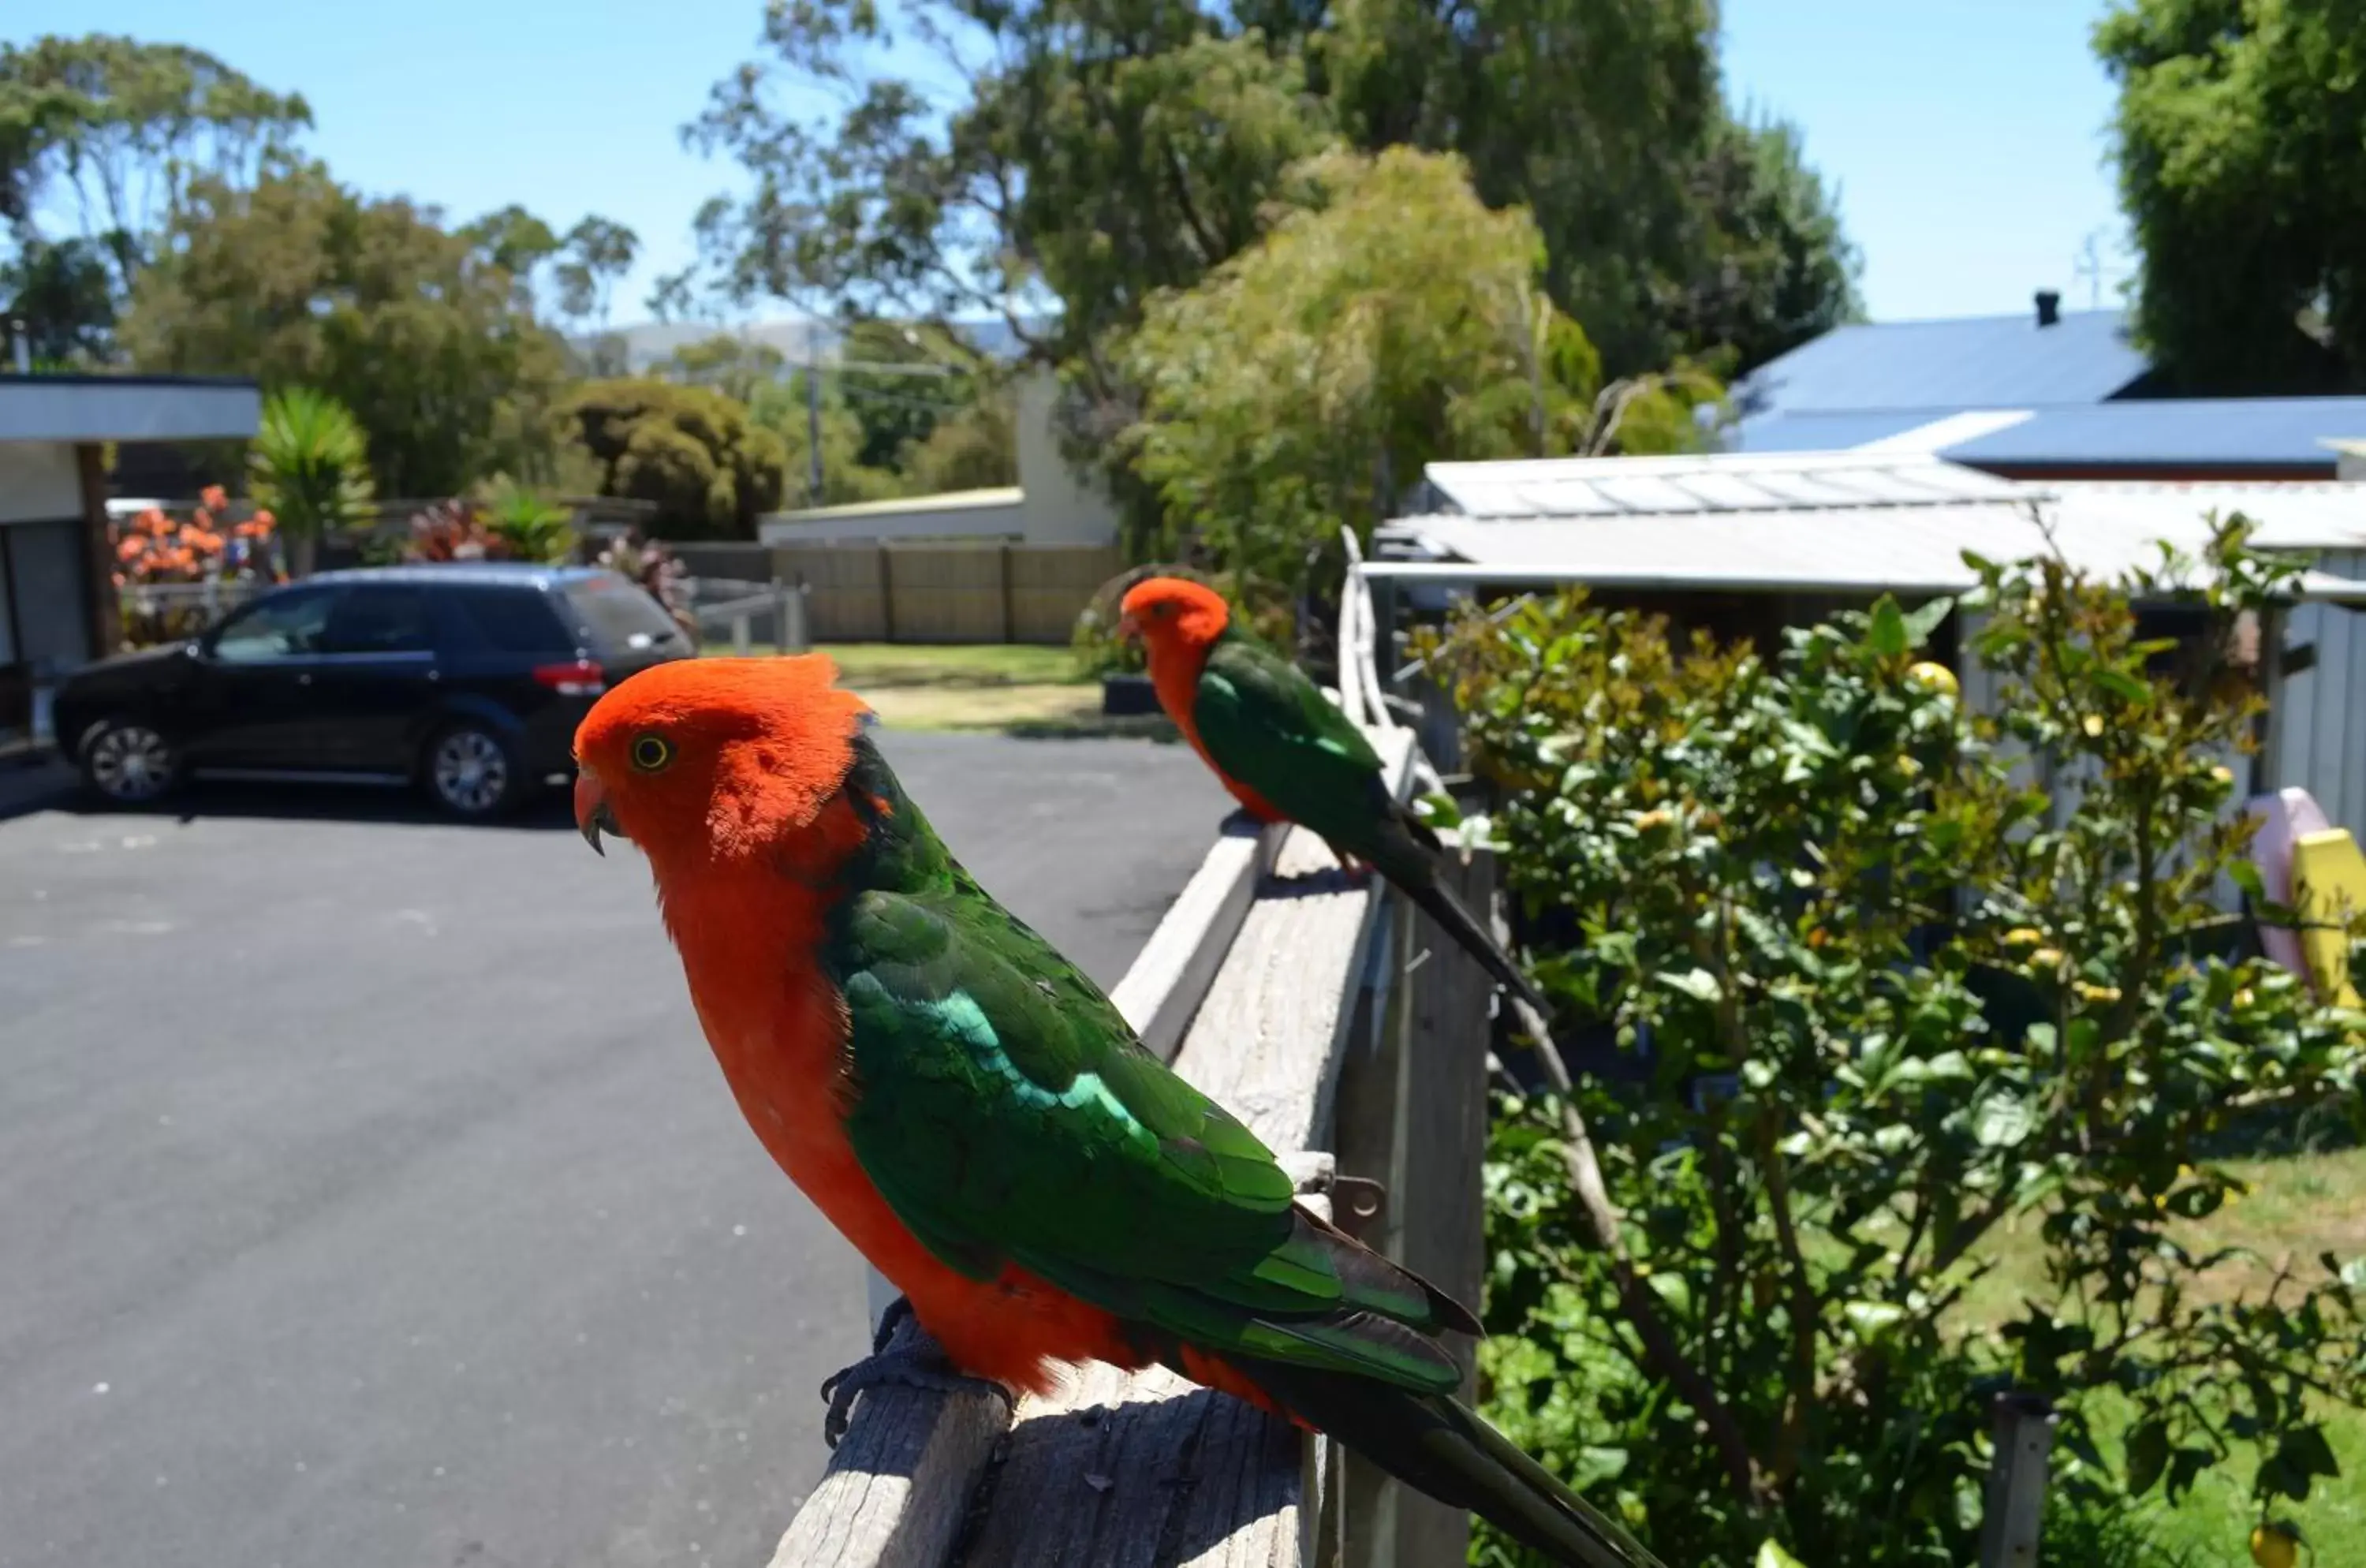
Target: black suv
465,678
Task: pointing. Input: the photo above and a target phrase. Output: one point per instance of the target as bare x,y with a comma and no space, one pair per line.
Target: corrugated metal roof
2302,516
1858,550
2230,431
1819,432
1603,487
1981,362
1838,520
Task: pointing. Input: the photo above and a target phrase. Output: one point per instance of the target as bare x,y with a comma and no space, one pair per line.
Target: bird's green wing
1265,724
1007,1115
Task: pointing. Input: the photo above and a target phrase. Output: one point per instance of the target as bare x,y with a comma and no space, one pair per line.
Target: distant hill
649,344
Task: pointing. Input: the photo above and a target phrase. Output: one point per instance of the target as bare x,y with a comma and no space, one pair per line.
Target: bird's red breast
1176,665
749,938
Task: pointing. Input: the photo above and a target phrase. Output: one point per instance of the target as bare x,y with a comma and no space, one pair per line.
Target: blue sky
1966,135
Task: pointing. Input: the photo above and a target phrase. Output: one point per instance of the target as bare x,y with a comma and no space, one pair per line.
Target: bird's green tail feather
1439,903
1438,1447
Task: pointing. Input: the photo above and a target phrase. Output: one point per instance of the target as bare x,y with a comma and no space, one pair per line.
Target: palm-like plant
535,526
311,466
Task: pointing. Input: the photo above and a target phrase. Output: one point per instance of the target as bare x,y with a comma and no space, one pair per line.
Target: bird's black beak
592,815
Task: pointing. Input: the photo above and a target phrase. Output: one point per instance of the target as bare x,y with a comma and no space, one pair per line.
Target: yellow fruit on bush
2223,773
2092,724
2023,936
2272,1546
1658,817
2046,958
2098,993
1935,677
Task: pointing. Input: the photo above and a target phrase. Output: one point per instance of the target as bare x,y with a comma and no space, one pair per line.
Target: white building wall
39,482
2322,744
1063,507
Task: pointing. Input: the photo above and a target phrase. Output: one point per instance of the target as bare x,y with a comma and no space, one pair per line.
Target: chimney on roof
2049,307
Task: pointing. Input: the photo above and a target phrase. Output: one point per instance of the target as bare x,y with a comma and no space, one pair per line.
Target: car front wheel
127,761
471,771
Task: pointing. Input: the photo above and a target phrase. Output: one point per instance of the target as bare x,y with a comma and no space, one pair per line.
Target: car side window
286,626
379,618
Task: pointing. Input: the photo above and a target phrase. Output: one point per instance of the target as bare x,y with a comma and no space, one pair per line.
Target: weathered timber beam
898,1487
1172,972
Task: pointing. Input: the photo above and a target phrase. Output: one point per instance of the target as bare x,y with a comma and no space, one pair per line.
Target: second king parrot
1287,753
977,1117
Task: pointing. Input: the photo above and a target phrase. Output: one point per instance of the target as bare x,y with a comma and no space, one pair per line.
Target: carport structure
57,577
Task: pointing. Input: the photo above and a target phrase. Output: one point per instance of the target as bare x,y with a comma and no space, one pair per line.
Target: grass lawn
958,666
1018,688
2299,1206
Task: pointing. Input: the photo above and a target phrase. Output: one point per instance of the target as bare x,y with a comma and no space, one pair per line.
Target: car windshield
620,615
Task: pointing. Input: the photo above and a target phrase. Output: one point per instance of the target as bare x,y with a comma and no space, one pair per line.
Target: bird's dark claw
914,1361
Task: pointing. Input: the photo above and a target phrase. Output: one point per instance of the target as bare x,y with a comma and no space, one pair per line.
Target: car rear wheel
127,761
472,771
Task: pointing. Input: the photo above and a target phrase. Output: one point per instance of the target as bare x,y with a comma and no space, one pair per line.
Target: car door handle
304,679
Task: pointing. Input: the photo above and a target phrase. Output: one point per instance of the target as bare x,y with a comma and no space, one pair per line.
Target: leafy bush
691,451
1389,318
1888,1010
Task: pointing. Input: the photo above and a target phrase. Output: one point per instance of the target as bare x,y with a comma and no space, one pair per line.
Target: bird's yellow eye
651,753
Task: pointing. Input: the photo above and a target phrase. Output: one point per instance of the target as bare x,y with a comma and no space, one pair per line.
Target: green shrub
1789,887
691,451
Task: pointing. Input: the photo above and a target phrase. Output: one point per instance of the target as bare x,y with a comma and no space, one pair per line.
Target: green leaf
1925,620
2148,1455
1772,1555
2002,1120
1887,634
2197,1201
2123,685
2246,876
1438,811
1871,1318
1698,984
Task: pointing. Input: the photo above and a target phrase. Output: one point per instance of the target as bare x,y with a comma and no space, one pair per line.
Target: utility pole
812,397
813,420
2091,267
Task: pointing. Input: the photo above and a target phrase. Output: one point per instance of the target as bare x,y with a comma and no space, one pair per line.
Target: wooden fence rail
1352,1039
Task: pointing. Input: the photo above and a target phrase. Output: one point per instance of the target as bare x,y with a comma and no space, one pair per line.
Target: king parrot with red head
978,1119
1287,753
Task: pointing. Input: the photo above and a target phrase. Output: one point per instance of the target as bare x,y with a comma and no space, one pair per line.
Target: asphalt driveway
369,1197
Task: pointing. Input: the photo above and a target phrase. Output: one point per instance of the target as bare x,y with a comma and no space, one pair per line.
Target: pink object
2283,817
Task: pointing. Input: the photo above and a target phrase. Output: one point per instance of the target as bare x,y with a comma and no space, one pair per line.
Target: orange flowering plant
162,552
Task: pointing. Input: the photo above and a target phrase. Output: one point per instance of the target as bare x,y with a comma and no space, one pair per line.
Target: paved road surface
368,1197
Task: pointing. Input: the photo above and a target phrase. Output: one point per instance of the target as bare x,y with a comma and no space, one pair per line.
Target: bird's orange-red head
705,761
1173,613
